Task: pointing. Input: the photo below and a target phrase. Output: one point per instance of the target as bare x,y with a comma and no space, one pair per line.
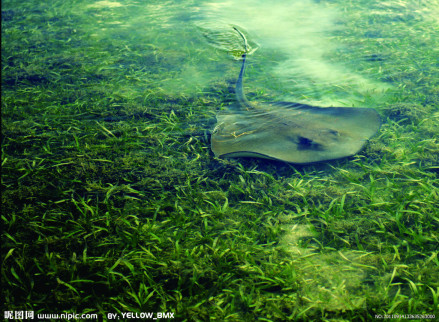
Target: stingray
291,132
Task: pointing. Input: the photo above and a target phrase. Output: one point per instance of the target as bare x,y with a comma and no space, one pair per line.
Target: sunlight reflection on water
308,51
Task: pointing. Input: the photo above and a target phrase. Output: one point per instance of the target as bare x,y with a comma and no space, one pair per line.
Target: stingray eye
308,144
304,142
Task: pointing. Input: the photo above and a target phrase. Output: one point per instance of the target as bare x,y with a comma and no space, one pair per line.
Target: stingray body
291,132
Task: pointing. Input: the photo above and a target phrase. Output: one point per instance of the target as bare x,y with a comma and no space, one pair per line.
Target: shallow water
316,52
106,109
324,53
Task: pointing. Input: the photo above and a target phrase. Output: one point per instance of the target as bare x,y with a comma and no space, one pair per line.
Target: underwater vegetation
112,200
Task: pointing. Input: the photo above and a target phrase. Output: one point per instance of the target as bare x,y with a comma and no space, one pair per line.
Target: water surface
108,179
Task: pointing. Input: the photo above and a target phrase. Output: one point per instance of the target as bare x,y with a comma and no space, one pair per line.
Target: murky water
320,52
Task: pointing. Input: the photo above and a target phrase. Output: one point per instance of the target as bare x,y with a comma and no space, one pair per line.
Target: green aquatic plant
112,200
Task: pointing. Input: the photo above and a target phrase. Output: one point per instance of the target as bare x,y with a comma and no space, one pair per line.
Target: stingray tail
239,84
